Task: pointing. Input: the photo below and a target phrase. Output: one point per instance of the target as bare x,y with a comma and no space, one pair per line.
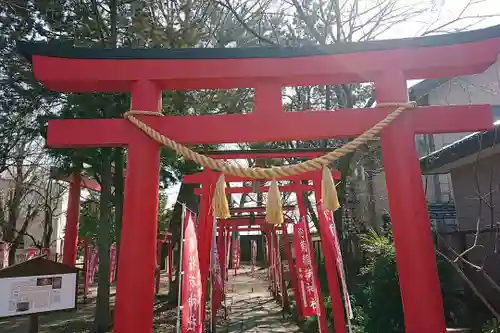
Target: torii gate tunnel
207,179
388,64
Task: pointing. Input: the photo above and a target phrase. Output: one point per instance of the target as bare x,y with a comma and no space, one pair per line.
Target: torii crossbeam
389,64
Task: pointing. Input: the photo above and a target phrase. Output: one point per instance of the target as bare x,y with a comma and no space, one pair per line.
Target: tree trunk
30,215
48,229
118,181
351,267
14,204
12,254
311,211
102,318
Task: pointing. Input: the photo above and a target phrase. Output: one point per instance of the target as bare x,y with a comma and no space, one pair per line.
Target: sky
446,11
478,14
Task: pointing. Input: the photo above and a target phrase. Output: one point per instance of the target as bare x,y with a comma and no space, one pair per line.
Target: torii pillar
72,220
416,268
76,183
135,290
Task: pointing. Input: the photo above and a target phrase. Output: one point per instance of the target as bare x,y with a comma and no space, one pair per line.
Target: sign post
37,286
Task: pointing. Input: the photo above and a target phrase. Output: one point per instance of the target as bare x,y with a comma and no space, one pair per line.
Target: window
446,188
423,147
496,112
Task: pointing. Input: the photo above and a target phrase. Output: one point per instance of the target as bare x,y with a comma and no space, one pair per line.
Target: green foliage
89,220
89,226
378,297
492,326
377,302
164,213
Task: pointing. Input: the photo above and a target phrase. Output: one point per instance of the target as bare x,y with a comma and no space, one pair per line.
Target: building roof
423,88
460,149
36,267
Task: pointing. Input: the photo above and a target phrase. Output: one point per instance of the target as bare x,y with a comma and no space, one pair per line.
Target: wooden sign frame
47,272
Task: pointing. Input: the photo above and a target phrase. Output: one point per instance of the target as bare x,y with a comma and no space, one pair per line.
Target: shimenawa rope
221,209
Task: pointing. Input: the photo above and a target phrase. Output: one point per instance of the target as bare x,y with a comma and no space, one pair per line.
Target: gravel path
251,308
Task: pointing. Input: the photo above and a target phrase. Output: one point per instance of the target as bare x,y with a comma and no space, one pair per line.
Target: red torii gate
248,223
164,238
239,210
73,217
389,64
245,220
76,183
207,177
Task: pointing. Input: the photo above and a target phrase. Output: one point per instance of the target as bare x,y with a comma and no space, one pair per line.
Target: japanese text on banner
305,270
191,283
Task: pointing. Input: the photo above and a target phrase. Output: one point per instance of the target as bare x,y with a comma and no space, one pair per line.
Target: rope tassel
274,210
328,191
220,207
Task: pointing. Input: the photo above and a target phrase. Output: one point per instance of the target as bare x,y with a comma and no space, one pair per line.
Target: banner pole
181,247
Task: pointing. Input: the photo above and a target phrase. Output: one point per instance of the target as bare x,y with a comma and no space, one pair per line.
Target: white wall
482,88
35,227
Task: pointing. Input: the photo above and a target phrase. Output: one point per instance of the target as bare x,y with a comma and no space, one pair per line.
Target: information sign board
37,286
35,294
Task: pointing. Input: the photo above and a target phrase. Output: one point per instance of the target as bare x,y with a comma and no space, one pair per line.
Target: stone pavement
250,306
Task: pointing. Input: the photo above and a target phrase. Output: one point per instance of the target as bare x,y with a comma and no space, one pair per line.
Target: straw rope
273,172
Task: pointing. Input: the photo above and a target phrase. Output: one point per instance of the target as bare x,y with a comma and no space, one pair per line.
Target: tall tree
305,23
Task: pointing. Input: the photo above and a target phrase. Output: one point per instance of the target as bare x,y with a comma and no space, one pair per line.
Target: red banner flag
269,260
88,267
170,260
191,283
93,265
46,253
112,263
4,254
238,253
228,244
305,270
279,268
338,254
280,273
254,254
217,284
30,254
86,254
274,262
267,248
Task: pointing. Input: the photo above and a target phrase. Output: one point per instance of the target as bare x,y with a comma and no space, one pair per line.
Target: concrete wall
482,88
471,181
471,210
